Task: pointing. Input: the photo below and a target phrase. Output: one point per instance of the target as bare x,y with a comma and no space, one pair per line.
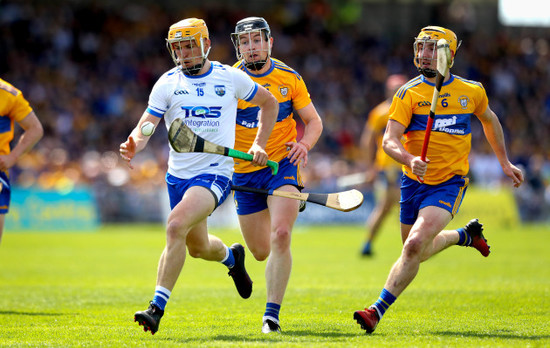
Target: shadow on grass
271,338
297,333
31,313
502,335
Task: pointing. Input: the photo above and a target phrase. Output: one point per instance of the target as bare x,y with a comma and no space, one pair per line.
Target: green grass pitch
81,289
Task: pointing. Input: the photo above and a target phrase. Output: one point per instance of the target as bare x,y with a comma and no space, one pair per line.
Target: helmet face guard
427,40
252,41
186,43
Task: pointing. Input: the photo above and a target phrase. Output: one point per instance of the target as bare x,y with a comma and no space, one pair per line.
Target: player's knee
280,238
175,229
413,248
260,253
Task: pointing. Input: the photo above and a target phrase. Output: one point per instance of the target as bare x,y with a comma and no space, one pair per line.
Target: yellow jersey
13,107
450,140
289,89
377,121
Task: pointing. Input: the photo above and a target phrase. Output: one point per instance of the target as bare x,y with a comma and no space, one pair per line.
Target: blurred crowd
87,69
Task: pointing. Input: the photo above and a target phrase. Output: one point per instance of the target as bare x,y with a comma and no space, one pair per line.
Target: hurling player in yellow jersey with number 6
426,208
266,222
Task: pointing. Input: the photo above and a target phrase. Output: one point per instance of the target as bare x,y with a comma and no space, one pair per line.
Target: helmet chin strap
194,70
429,73
255,66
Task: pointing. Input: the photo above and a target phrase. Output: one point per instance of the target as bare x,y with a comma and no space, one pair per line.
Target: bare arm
137,141
495,136
394,148
368,147
312,132
269,109
32,133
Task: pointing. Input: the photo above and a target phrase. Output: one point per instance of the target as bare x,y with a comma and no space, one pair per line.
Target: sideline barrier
42,210
496,207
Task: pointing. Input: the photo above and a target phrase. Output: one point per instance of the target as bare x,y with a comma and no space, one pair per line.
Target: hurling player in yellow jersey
427,208
266,221
380,166
14,108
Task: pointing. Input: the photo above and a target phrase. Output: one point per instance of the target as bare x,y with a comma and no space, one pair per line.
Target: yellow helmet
432,34
185,30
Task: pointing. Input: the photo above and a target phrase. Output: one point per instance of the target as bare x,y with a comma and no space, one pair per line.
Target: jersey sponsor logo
444,122
220,90
290,177
203,126
446,125
248,124
202,111
463,101
446,95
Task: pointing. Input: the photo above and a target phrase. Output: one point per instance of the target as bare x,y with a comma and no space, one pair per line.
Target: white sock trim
265,317
226,254
377,311
163,292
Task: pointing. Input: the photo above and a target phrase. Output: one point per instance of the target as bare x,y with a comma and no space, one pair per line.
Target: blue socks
272,311
161,297
229,259
464,238
384,302
366,249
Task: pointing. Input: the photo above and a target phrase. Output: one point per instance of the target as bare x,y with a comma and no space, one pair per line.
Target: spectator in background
14,108
75,60
379,165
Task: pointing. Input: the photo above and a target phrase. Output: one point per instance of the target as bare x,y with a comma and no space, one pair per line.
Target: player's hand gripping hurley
343,201
183,139
443,65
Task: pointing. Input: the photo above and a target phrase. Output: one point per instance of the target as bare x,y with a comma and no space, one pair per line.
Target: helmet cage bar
249,39
197,45
428,72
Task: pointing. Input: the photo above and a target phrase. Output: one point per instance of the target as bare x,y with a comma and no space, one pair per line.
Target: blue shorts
219,186
248,202
5,193
415,196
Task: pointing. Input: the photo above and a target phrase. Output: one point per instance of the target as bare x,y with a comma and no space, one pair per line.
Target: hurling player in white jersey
204,94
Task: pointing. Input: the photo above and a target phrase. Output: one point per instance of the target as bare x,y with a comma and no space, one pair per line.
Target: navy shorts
248,202
219,185
5,193
415,196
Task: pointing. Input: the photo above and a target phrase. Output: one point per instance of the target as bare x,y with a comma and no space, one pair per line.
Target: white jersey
208,105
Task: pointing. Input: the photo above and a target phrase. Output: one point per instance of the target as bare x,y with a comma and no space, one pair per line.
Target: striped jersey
450,140
377,121
207,104
13,108
289,89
